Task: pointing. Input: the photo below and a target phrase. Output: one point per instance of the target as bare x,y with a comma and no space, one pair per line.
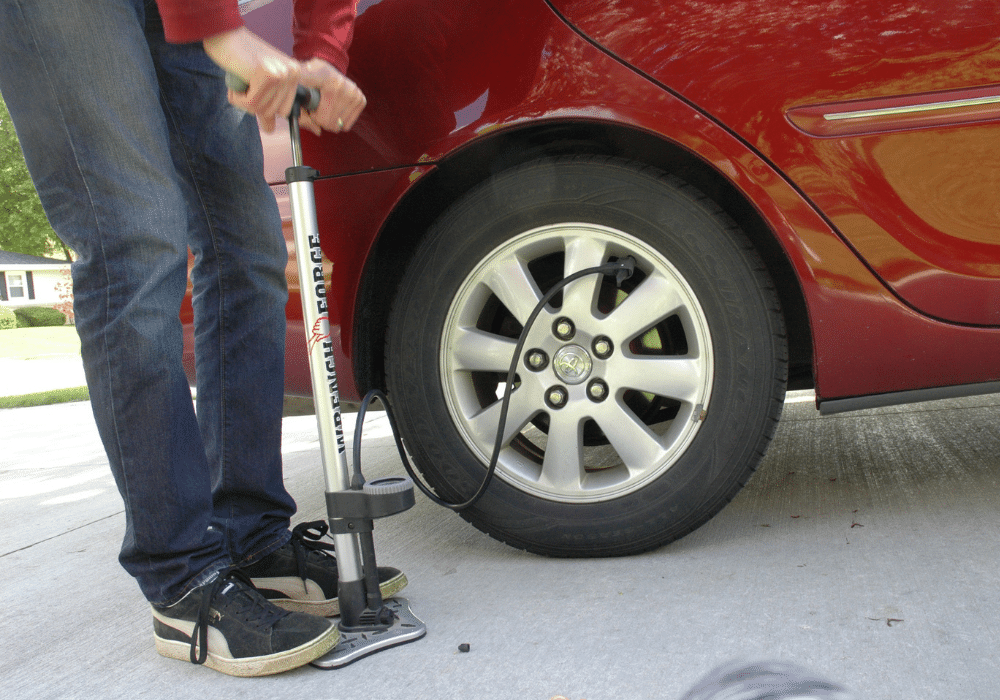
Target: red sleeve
185,21
324,29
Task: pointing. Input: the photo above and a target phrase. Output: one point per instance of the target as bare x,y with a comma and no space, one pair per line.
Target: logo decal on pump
320,332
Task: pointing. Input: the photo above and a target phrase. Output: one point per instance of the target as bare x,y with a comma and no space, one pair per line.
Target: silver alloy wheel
629,416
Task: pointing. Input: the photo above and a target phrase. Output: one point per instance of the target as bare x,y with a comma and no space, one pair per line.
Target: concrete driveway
865,548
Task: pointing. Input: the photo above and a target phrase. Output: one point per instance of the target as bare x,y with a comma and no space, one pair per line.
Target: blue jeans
137,156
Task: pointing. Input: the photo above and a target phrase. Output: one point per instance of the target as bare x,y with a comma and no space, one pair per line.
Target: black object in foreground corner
766,680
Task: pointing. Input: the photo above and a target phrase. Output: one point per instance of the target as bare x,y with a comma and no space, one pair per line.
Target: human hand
272,75
341,101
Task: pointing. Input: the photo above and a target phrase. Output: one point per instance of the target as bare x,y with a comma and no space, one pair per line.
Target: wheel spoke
484,424
579,297
638,446
562,468
474,350
651,302
511,281
679,378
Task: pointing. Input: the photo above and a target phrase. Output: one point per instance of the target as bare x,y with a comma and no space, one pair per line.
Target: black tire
694,390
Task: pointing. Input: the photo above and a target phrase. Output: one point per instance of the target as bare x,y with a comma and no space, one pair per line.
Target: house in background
30,280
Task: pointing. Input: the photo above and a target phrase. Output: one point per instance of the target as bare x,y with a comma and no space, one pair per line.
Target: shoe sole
256,665
331,607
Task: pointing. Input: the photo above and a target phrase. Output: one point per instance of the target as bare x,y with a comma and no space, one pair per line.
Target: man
137,155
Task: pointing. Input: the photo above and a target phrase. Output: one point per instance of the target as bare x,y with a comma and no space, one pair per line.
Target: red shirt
321,28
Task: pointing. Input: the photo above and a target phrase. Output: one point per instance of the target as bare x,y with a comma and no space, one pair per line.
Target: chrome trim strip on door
912,109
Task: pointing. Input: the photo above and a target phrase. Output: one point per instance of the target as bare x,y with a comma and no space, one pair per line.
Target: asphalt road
865,548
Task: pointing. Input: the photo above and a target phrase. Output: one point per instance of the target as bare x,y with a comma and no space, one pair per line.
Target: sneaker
229,626
302,575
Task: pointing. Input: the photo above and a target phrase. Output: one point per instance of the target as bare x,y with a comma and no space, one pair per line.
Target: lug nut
603,347
563,328
597,390
536,360
556,397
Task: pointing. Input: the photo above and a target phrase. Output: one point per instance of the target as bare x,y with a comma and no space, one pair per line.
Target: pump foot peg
406,627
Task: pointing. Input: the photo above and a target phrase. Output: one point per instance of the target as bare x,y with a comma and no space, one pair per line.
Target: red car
809,191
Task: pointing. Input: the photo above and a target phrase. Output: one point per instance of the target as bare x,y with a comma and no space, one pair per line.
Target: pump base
406,627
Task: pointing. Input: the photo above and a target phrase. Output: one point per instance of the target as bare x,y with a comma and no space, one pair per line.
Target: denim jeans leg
82,87
239,299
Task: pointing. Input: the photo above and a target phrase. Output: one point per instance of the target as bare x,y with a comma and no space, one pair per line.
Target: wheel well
468,167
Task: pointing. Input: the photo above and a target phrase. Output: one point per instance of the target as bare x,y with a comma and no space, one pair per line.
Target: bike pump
367,623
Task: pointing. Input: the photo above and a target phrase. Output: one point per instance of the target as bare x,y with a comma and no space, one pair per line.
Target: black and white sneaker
302,575
229,626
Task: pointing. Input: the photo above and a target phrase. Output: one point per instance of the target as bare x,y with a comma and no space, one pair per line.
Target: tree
23,226
64,291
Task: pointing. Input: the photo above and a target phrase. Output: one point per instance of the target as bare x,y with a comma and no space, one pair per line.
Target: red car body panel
918,202
898,297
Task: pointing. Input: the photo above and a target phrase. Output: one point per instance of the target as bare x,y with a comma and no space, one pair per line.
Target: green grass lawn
32,343
27,343
45,398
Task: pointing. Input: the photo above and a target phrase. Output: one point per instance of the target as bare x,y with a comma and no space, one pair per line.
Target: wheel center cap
572,364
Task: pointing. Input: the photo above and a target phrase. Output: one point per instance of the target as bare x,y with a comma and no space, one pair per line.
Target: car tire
689,357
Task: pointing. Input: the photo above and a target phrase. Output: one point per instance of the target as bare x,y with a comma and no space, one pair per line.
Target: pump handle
307,98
